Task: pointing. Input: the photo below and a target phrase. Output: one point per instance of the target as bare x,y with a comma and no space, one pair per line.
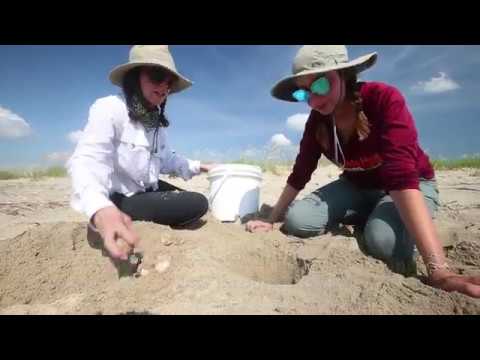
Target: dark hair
351,83
131,87
352,94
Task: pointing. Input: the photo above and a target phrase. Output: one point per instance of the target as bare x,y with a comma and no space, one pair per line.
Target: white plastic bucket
234,190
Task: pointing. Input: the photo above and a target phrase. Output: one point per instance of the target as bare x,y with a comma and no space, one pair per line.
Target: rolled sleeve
176,164
94,201
181,166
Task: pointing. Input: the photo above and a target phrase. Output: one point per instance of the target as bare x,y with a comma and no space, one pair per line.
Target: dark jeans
168,205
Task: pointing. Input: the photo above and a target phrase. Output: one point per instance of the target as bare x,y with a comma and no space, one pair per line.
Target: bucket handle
212,196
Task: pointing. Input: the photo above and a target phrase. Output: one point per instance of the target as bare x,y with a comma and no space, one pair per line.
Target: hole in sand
271,267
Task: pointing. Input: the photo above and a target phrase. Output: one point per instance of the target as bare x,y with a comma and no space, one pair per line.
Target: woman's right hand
116,229
288,195
449,281
259,225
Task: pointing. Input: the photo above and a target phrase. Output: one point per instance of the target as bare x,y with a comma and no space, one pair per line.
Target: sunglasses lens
321,86
158,76
301,95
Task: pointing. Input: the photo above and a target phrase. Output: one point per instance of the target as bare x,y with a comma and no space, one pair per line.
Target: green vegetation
35,174
272,166
472,162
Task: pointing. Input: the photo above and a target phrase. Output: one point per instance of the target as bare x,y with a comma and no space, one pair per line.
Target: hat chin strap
337,145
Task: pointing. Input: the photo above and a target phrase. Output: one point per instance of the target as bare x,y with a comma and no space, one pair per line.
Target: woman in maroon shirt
388,184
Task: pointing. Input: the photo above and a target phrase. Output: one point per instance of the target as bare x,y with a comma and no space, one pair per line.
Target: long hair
131,87
352,94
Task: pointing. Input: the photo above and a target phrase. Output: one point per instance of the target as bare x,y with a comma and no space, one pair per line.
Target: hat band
324,62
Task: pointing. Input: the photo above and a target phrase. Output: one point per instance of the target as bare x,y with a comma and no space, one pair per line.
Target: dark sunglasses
158,75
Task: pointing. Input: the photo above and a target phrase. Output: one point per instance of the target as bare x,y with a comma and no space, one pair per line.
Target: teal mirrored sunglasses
321,86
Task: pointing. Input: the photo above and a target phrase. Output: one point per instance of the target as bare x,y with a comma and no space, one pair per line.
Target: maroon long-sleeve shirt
389,159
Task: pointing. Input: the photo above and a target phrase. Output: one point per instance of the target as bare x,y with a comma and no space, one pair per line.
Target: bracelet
433,266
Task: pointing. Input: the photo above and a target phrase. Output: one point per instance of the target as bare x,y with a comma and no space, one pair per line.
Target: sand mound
61,269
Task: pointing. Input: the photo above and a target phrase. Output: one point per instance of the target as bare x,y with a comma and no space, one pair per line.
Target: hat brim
284,88
118,73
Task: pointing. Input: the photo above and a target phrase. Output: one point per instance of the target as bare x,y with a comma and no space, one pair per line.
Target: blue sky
46,91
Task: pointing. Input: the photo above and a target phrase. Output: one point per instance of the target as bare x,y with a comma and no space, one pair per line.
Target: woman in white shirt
116,166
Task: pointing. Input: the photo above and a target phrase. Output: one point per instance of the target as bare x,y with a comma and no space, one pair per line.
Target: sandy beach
51,264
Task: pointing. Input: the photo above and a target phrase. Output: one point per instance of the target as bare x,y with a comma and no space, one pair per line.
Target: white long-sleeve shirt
115,154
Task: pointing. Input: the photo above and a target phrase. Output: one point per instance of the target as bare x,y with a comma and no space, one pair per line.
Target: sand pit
51,264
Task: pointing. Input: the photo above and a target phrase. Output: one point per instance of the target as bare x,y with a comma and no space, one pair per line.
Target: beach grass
265,165
33,174
275,167
471,162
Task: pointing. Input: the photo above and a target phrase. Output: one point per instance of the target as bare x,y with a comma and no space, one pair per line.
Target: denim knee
380,239
306,218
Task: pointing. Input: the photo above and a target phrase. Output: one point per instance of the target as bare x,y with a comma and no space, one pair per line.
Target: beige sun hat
150,55
319,59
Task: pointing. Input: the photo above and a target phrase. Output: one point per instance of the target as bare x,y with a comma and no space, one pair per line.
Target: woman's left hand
449,281
207,167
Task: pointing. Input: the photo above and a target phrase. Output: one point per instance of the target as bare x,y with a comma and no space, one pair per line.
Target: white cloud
12,125
58,157
279,140
280,149
297,122
436,85
75,136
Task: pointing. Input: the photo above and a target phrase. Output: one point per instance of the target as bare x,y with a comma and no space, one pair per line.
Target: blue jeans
384,234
